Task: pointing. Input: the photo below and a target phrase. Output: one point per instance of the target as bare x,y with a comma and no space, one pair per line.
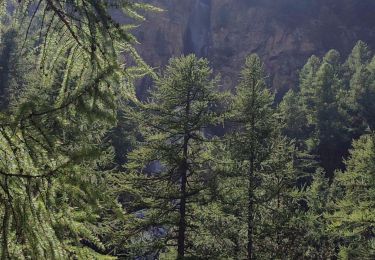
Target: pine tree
357,77
354,216
317,242
365,93
325,125
295,118
332,107
307,84
252,109
358,58
52,134
251,142
330,125
170,170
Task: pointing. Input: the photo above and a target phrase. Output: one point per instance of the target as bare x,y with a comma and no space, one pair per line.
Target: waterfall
197,35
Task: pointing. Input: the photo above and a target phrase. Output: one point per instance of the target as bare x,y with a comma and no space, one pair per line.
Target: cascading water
197,35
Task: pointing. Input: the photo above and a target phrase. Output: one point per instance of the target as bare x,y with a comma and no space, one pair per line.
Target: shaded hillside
284,33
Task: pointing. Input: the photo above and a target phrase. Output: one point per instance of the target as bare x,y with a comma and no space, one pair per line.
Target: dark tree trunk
4,250
182,210
250,220
183,174
250,207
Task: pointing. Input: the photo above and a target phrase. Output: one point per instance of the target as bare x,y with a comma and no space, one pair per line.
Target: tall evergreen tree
331,132
169,171
354,215
295,118
318,241
325,129
332,107
253,111
364,94
251,141
298,108
357,78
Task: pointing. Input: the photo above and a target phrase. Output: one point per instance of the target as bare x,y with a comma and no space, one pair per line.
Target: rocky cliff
283,32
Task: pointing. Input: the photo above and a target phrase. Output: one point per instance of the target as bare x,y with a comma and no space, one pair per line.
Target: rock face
283,32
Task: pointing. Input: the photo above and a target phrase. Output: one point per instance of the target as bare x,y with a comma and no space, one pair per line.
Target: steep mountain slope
283,32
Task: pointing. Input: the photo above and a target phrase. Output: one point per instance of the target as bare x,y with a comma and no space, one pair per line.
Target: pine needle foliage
354,215
264,171
169,172
53,141
332,105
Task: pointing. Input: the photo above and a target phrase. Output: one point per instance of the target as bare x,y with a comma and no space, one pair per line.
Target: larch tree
52,133
318,241
330,126
332,107
353,216
363,93
325,127
255,123
169,173
297,106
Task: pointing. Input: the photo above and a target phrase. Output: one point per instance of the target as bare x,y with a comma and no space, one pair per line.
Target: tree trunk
184,171
182,211
250,220
250,207
4,250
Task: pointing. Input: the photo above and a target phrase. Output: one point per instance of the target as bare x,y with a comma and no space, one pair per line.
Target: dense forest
90,170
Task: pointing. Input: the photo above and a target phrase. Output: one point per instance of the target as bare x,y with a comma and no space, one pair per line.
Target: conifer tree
307,84
319,242
331,133
52,135
297,110
325,126
251,142
354,216
334,100
358,58
357,79
170,170
253,111
365,93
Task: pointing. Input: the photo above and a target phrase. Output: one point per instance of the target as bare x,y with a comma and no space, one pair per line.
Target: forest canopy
89,170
